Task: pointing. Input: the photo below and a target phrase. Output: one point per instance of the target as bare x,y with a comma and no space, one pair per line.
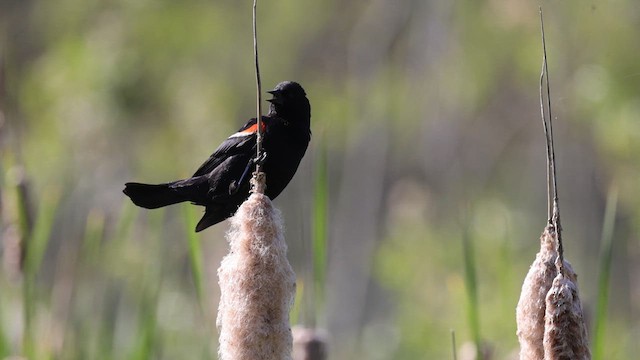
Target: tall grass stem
604,275
471,284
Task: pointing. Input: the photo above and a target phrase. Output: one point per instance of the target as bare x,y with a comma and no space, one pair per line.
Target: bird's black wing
242,142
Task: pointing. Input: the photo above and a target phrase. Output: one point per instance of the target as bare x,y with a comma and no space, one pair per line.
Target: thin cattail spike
546,129
546,71
551,154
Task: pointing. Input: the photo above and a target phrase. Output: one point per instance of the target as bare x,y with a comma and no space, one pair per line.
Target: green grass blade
148,333
195,251
125,222
4,341
107,330
35,248
111,293
4,164
454,350
93,235
604,275
147,337
37,243
471,284
196,256
294,315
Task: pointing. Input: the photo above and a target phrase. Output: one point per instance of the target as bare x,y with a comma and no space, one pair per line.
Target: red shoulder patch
250,130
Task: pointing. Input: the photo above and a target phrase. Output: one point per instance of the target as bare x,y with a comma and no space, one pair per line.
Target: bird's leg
260,159
235,185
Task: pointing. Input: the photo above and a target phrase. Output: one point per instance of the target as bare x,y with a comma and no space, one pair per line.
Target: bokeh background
414,215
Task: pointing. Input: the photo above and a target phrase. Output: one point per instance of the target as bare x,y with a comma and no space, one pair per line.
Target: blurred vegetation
416,211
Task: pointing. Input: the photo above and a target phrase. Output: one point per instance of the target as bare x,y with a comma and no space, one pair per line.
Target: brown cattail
549,315
565,336
530,312
257,286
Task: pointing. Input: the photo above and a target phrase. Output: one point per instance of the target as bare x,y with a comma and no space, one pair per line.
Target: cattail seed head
565,336
530,312
257,286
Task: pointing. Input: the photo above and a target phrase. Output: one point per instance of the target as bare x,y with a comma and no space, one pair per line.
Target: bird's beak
275,99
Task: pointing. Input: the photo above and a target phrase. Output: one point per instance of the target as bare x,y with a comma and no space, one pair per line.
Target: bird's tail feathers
212,216
152,196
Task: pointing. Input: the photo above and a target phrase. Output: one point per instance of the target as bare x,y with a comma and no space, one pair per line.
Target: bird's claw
233,187
260,159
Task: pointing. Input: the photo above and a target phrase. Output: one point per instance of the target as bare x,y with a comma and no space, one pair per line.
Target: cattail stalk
257,284
258,90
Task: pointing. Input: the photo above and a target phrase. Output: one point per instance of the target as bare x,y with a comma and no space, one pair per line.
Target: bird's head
289,101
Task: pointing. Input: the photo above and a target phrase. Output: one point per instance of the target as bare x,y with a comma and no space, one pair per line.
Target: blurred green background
416,211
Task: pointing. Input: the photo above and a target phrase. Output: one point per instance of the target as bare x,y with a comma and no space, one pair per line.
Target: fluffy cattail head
531,306
257,286
565,336
530,312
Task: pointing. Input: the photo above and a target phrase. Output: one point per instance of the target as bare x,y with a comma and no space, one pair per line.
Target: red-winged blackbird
221,184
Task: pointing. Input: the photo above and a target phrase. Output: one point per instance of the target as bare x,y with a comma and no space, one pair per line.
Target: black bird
221,184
